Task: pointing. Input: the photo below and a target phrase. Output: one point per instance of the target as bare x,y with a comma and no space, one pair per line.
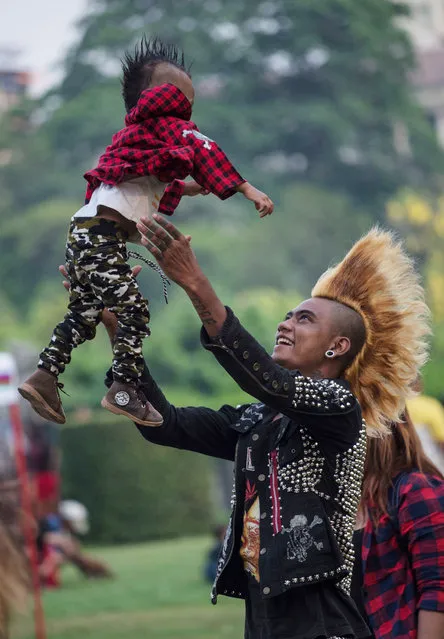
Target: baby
139,174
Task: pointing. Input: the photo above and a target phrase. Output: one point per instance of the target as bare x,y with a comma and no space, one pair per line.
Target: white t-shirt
135,198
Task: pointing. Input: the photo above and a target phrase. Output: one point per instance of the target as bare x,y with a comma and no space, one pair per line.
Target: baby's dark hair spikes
138,66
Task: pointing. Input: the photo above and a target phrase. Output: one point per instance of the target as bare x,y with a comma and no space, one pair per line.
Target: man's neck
319,373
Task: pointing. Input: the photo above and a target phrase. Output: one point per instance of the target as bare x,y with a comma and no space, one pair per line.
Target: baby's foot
42,392
126,399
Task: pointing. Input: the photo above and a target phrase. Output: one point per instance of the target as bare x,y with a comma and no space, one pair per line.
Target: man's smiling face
305,335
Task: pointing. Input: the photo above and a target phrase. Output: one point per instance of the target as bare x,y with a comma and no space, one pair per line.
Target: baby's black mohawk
138,66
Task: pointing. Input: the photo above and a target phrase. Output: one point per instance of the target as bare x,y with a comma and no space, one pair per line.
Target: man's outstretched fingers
161,238
156,234
146,226
170,228
152,248
148,237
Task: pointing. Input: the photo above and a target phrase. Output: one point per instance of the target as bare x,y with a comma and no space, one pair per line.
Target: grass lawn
158,593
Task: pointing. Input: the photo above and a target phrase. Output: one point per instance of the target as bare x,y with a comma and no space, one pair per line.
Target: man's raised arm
198,429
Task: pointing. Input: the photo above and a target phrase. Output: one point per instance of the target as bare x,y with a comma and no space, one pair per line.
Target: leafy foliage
134,491
420,218
302,89
304,96
311,100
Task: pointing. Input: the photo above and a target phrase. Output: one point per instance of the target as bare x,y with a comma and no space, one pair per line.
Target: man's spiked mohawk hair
379,281
138,66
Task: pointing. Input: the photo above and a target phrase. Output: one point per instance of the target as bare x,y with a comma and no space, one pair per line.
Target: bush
134,491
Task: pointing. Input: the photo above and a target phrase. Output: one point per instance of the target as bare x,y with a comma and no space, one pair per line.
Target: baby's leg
114,282
42,388
117,288
79,324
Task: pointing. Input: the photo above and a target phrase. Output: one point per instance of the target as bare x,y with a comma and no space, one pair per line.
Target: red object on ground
28,518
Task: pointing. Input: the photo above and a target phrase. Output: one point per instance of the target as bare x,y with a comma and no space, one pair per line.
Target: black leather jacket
307,466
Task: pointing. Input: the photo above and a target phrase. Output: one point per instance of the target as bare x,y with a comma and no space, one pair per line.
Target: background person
58,543
210,568
399,577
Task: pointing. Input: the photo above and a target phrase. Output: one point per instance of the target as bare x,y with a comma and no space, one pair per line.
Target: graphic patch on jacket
250,540
300,537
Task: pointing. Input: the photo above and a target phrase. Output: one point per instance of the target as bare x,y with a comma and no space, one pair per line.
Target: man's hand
171,249
192,188
64,272
174,254
261,200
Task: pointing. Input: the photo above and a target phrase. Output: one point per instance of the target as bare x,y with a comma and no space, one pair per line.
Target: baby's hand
261,201
193,188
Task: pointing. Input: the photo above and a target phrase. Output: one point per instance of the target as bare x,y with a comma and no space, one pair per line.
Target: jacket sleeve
211,167
286,391
171,197
198,429
421,523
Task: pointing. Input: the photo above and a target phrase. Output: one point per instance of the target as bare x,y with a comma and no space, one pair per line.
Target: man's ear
341,346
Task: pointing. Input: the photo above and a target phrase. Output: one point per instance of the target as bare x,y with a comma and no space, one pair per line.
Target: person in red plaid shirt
139,174
398,580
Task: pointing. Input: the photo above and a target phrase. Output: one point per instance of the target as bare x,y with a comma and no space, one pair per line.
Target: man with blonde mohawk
350,351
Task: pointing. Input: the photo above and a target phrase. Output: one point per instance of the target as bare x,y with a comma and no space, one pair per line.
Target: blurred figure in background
58,544
427,414
14,580
398,579
210,569
15,583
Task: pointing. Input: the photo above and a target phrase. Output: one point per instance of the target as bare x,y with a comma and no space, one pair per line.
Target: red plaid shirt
404,569
159,139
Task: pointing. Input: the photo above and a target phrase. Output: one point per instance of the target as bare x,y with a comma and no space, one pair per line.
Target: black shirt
320,611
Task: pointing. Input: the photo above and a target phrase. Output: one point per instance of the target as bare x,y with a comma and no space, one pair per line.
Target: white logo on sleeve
199,136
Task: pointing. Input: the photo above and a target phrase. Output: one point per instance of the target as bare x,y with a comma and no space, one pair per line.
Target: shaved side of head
346,322
166,73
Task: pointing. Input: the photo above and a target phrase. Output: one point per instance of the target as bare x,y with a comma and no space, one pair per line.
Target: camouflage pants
96,259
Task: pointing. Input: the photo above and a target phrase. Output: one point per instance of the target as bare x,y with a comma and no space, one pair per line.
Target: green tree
296,88
134,491
32,247
420,218
260,267
298,92
302,94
